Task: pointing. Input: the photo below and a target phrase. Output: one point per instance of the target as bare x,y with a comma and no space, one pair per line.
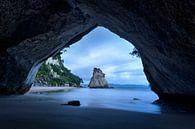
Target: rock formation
163,31
32,31
73,103
98,79
53,73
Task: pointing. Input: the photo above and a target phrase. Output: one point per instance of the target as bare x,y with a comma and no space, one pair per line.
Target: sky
105,50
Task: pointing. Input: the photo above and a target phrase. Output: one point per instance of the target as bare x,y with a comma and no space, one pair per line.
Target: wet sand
43,89
34,111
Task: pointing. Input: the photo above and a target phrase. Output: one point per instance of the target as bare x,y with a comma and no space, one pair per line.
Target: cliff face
162,31
98,79
53,73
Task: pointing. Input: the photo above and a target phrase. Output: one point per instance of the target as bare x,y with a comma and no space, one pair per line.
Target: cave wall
163,31
32,31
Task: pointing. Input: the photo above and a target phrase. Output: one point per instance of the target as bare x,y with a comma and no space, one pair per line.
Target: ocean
123,97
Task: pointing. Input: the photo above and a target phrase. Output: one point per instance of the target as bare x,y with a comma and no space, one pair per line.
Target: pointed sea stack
98,79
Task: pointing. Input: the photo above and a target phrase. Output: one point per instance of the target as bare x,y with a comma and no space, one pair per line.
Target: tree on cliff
53,73
135,52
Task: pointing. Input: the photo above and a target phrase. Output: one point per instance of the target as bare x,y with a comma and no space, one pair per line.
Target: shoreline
38,112
42,92
47,89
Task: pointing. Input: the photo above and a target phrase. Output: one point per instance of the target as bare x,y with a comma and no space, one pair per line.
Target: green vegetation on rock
53,73
135,52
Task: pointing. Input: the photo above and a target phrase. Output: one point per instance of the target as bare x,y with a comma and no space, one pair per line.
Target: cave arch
162,31
105,50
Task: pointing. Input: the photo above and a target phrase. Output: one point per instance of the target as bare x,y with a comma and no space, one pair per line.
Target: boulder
73,103
98,79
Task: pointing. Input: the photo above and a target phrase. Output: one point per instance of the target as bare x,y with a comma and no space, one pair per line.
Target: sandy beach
43,89
37,111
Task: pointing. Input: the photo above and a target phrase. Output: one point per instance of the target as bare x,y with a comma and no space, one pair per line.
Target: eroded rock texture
98,79
30,32
163,31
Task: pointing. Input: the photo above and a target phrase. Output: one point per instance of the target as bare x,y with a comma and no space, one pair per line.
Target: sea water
126,97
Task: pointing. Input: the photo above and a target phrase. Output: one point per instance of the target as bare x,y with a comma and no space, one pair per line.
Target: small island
98,79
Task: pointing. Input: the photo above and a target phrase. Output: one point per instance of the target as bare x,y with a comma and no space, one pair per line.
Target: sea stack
98,79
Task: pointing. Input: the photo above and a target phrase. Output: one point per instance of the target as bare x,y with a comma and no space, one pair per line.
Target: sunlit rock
162,31
98,79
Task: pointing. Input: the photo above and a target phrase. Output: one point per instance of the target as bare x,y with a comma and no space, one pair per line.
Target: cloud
103,49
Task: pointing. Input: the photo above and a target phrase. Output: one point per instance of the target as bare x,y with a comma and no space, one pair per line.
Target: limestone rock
54,73
98,79
163,31
30,32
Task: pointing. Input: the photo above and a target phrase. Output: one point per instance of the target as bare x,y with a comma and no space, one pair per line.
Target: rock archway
162,31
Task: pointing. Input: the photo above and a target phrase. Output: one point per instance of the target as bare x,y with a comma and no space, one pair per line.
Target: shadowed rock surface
32,31
73,103
98,79
162,31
